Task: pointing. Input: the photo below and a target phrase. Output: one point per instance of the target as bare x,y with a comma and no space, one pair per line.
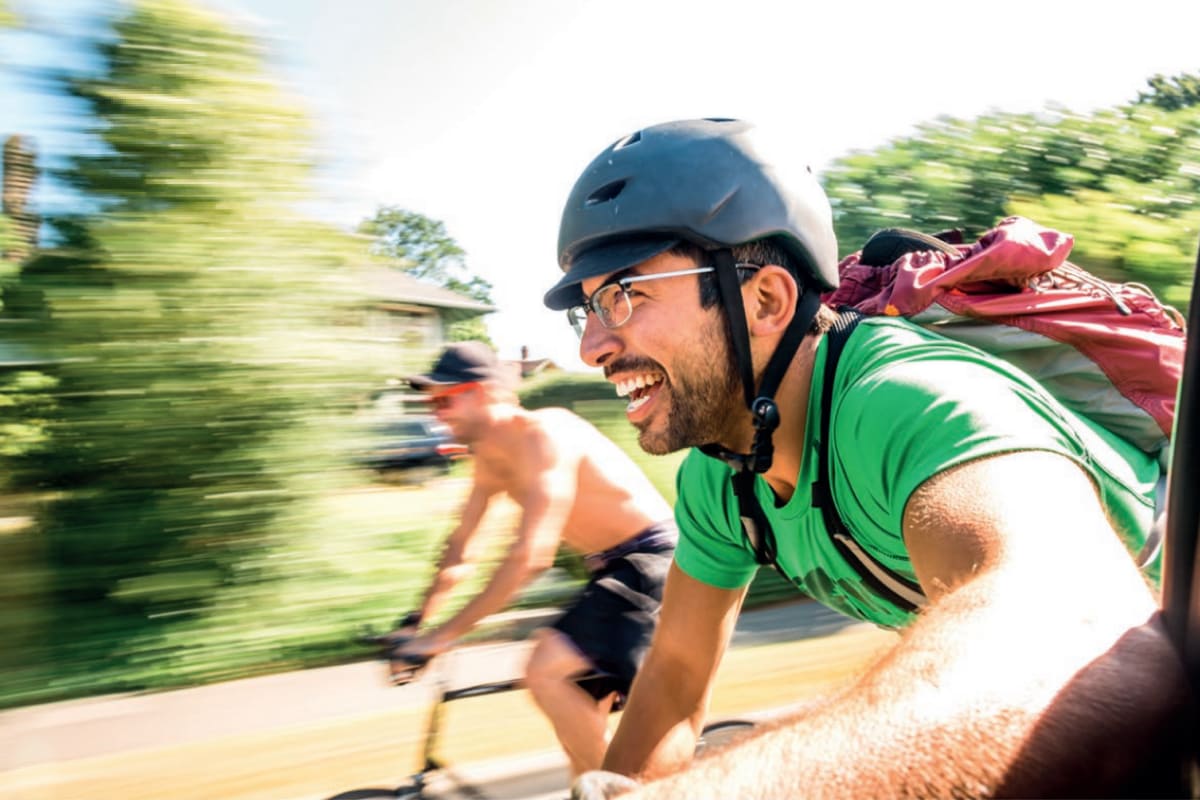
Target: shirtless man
572,485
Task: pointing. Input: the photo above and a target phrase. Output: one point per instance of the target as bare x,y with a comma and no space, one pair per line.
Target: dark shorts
613,618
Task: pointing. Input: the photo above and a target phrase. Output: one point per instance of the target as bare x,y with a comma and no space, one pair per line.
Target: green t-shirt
907,404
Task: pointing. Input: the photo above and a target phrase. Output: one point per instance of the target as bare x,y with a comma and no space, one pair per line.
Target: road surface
308,735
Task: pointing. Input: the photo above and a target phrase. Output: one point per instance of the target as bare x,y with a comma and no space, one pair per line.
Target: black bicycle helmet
705,181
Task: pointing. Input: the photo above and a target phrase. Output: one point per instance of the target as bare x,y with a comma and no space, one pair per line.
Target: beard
706,398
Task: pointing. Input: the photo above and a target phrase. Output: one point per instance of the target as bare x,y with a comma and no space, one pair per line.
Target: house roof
396,286
532,366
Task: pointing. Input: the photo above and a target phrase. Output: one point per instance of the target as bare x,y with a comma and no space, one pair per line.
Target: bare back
611,499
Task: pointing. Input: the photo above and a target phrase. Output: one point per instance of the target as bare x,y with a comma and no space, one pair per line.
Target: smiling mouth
638,389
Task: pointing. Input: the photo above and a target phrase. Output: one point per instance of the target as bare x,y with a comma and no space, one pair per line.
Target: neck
496,418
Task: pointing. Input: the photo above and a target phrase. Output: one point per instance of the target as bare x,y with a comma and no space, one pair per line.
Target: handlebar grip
404,666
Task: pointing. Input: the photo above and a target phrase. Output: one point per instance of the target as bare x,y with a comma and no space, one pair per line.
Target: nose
598,344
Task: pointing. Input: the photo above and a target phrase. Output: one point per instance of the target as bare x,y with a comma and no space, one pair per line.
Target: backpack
1111,352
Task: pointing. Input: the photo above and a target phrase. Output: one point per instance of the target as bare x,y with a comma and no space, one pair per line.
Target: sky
481,113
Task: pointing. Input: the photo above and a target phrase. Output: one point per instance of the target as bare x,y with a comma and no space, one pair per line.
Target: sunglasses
445,399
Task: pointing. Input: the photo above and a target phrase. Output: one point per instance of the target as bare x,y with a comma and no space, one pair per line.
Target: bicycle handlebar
405,667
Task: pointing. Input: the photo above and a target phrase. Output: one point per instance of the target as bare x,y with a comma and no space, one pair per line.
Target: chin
655,444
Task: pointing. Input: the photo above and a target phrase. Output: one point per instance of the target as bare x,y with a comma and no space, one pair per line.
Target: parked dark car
414,443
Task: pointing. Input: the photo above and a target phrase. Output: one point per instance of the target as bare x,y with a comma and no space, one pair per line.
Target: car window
409,428
415,427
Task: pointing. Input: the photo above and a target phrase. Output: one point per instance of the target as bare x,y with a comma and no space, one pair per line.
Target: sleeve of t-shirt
711,547
902,424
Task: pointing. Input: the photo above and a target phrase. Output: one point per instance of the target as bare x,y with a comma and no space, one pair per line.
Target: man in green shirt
692,270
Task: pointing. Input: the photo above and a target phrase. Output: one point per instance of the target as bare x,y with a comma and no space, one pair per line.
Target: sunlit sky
481,113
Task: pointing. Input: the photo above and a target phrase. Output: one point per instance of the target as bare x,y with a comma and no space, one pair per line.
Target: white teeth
634,405
630,384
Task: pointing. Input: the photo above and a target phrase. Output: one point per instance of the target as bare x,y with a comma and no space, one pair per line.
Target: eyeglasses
445,399
611,304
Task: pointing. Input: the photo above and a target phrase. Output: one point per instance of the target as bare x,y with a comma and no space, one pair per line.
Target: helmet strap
730,289
763,410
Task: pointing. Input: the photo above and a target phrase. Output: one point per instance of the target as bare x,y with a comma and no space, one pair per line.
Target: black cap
462,362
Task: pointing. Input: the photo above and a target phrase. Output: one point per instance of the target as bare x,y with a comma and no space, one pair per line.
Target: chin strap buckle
765,414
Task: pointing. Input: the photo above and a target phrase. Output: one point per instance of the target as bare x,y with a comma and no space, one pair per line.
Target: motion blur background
209,293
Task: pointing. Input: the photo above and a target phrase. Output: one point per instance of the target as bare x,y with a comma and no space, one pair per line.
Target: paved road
107,730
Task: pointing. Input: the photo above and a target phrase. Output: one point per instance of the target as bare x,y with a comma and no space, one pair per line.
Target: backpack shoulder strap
898,590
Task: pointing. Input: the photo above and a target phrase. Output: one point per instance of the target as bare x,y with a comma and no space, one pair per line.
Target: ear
770,297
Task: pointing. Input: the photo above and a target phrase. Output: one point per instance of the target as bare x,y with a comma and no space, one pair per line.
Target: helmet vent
605,193
632,138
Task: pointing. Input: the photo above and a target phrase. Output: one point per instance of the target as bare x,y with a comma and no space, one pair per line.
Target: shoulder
894,363
885,343
701,483
699,470
551,437
559,428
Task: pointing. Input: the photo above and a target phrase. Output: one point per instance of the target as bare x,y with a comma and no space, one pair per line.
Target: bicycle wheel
718,734
379,793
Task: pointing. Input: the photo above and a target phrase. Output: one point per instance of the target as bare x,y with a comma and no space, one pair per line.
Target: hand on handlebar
403,666
408,655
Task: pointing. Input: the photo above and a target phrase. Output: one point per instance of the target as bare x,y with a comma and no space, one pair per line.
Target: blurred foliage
565,389
194,367
420,246
1172,93
1125,182
7,238
8,17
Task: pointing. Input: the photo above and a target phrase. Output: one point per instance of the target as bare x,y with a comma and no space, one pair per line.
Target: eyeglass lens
610,303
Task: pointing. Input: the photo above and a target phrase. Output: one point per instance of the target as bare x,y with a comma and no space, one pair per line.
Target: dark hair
761,251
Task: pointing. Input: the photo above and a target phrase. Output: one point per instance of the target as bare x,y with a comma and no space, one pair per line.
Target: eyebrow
617,277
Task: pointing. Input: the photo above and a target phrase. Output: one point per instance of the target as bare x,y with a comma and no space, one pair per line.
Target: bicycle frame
597,684
594,683
430,761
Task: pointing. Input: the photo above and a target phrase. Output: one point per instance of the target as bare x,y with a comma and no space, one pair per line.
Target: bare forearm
664,723
1023,709
444,581
670,695
508,579
452,569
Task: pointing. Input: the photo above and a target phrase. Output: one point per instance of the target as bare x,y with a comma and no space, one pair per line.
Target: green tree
1124,181
1172,93
188,314
420,246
